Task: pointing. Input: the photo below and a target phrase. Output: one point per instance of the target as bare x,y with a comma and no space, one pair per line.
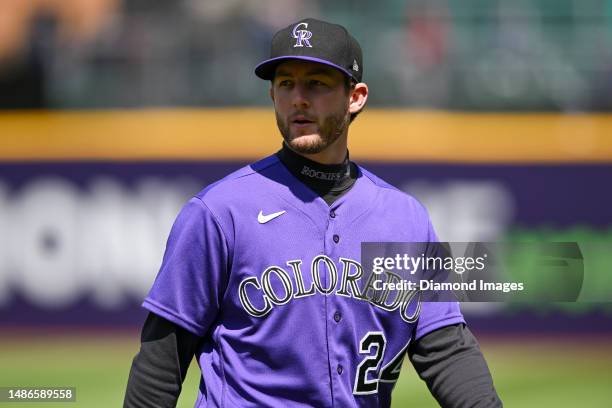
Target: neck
333,154
330,181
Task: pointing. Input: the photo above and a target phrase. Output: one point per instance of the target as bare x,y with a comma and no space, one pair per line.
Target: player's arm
449,360
160,367
184,301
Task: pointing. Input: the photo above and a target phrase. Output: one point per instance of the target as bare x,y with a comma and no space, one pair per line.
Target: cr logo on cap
302,36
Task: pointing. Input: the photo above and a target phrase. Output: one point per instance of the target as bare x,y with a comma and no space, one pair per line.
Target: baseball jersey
270,275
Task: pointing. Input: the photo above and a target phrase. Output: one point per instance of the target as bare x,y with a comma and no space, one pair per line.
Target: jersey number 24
373,344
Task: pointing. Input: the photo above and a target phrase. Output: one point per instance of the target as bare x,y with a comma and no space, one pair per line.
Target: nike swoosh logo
265,218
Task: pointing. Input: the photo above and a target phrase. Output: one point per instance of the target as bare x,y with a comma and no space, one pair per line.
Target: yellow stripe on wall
248,134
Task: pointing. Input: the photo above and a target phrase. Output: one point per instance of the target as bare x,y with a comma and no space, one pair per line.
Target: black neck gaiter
330,182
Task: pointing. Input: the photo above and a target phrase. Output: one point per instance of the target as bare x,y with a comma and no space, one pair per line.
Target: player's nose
299,97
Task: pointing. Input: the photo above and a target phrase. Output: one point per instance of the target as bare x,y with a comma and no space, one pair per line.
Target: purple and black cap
316,41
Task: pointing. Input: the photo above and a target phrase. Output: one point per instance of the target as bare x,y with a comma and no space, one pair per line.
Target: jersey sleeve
435,315
192,279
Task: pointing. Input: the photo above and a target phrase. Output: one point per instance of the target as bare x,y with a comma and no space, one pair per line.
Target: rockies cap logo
301,36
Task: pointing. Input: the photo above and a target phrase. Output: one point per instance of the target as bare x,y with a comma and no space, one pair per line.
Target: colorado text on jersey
258,296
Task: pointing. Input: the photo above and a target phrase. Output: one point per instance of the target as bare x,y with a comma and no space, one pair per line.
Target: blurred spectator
32,35
22,76
424,46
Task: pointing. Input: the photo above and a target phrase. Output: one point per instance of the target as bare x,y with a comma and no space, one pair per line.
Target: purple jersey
269,275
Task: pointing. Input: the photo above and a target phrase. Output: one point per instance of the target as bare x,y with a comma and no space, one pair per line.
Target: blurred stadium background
496,114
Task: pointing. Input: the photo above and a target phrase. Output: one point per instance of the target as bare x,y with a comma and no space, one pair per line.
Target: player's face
312,105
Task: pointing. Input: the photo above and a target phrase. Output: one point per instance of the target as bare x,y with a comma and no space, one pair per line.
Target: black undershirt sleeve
160,367
450,362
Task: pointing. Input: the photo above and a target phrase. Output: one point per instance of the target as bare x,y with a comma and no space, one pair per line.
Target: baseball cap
316,41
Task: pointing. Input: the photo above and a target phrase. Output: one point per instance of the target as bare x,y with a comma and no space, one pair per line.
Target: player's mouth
301,121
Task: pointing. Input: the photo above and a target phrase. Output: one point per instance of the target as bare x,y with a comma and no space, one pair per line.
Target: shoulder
392,195
245,190
224,201
242,181
402,208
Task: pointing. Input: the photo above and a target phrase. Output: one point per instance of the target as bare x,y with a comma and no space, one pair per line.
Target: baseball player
261,279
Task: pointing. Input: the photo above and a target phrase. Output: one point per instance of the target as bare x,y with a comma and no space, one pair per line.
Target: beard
332,127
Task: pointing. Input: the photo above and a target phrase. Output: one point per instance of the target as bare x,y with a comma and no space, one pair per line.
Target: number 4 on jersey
389,373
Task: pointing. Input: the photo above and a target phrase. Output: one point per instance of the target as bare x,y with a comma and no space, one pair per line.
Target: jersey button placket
335,317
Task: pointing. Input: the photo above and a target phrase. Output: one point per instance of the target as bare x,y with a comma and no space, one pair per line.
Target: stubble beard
333,127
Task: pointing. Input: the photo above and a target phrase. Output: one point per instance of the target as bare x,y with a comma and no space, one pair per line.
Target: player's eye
316,83
284,83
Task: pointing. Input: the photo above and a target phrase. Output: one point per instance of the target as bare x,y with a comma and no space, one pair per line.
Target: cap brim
267,68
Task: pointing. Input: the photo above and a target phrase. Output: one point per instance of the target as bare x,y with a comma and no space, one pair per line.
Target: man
261,279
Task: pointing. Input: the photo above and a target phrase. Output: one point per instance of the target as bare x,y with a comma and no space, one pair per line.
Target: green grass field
527,372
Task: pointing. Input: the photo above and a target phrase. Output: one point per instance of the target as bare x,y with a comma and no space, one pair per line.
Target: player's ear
358,97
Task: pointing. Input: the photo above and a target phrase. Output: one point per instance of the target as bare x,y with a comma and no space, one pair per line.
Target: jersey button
336,238
340,369
337,317
332,214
